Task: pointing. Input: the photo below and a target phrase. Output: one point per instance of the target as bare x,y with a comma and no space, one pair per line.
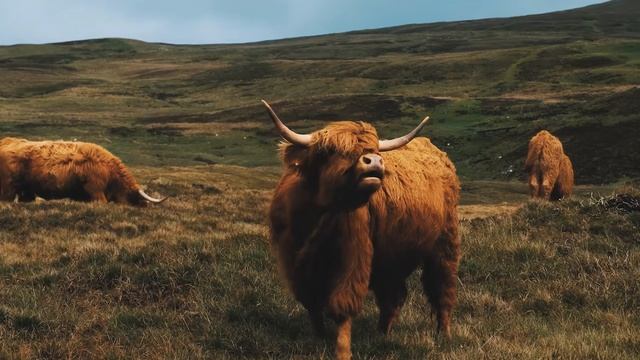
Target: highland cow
345,219
549,169
62,169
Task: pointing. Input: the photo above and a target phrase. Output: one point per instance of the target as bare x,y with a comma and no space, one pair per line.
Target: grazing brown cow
345,219
62,169
549,169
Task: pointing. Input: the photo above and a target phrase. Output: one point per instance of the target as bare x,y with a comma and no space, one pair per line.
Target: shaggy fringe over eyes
346,138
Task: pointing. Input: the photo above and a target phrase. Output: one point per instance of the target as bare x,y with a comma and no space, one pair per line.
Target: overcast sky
226,21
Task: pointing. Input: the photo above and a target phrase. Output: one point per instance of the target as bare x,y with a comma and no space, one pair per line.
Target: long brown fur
61,169
548,167
333,245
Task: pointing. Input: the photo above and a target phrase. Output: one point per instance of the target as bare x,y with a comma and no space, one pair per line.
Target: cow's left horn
285,132
387,145
151,199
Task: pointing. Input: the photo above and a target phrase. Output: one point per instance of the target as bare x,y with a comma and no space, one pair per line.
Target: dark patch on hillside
624,103
524,110
370,108
40,61
602,153
548,63
108,47
34,89
249,71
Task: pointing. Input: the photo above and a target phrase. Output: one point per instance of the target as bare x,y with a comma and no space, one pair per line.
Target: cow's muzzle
370,171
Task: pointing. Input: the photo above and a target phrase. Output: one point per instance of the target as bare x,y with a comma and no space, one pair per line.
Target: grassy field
194,277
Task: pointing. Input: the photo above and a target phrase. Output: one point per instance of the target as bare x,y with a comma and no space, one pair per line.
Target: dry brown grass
193,278
479,211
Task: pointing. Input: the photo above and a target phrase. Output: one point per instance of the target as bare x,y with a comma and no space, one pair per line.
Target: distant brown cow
62,169
345,218
549,169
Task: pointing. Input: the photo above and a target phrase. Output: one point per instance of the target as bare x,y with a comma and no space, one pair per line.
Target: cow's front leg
96,191
343,343
7,190
99,197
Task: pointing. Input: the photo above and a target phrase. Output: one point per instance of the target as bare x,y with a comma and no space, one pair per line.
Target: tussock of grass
194,278
627,200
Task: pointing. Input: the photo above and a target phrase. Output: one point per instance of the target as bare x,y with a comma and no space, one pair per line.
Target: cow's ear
293,156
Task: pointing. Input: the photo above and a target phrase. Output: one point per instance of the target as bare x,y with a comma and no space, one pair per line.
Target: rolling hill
194,278
488,85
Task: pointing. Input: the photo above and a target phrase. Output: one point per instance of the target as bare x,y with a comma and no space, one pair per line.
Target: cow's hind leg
534,185
343,342
390,290
439,279
556,193
548,185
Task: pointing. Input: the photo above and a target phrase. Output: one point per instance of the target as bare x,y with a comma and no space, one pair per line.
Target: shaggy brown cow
549,169
345,219
61,169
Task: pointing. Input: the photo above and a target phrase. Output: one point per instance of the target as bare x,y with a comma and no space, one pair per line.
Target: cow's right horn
288,134
151,199
388,145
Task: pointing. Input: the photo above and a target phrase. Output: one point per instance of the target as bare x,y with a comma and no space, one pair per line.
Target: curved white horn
388,145
285,132
151,199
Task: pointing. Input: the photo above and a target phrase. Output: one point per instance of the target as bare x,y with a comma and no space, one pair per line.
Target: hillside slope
488,85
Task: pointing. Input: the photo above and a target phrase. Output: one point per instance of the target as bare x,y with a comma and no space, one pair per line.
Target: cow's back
417,202
54,169
55,156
